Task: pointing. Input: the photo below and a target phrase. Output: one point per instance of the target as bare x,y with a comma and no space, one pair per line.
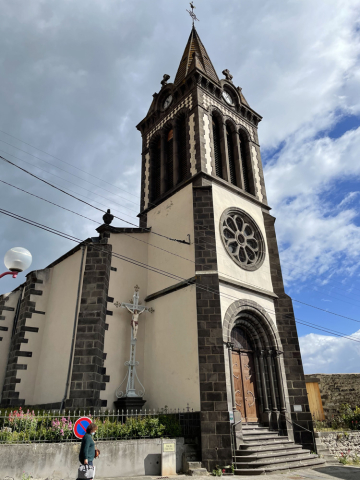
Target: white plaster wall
172,218
27,377
12,300
171,352
60,304
121,288
227,291
167,339
224,199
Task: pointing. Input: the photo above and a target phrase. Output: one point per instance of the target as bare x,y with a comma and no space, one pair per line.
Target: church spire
195,55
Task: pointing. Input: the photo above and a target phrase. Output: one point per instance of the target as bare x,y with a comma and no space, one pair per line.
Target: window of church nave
182,149
156,169
170,159
242,238
217,148
231,156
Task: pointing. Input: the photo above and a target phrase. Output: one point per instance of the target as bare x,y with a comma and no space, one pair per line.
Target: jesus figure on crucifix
135,320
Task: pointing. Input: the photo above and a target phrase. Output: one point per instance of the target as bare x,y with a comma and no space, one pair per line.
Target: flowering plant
61,428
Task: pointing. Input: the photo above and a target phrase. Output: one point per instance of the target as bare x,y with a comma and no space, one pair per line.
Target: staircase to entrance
264,451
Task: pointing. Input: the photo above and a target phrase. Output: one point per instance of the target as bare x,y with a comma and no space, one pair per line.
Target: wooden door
315,403
238,385
245,385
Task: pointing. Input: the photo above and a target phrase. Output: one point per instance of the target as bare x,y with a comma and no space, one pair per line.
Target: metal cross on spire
192,14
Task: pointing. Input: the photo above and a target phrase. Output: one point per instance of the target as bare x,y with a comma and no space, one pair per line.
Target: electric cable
87,203
73,166
66,171
298,301
68,163
162,272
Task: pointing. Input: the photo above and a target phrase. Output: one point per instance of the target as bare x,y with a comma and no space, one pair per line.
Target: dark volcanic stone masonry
285,320
88,369
215,424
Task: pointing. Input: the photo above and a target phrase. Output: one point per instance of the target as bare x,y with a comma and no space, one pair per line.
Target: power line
87,173
92,220
63,161
298,301
61,178
162,272
87,203
66,171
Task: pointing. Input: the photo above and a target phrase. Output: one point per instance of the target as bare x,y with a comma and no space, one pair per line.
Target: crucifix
136,310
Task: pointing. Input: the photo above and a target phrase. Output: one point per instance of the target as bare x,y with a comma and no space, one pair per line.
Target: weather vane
192,14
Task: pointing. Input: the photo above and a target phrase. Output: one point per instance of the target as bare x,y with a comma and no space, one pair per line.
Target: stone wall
53,461
337,389
341,443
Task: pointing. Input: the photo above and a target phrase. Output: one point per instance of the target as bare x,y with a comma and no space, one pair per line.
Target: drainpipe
83,248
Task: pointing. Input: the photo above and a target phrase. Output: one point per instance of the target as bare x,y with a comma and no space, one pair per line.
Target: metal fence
18,426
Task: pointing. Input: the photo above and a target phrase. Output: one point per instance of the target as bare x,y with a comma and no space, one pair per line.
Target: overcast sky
76,77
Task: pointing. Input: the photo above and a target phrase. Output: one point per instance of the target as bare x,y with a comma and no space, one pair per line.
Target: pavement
322,473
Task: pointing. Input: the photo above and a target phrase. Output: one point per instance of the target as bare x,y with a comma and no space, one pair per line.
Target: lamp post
16,260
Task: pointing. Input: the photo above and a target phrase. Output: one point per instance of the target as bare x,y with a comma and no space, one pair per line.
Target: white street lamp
16,260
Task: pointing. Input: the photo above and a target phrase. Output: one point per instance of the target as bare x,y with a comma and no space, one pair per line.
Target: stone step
198,472
194,465
261,433
312,462
287,446
271,455
265,440
253,427
285,460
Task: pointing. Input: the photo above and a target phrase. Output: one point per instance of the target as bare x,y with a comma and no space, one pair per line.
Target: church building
207,323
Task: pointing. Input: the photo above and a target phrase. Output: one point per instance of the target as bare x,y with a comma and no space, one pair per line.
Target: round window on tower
242,238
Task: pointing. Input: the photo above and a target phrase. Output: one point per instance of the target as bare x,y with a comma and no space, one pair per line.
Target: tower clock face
167,102
227,97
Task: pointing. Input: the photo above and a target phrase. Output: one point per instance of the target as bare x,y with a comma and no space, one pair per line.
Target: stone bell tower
200,136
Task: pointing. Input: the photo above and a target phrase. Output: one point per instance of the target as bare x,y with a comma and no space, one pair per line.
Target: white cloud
79,78
325,354
350,197
320,238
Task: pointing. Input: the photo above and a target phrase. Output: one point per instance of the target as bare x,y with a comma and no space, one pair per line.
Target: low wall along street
341,444
55,461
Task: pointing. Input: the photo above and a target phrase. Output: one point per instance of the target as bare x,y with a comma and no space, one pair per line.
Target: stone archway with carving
271,379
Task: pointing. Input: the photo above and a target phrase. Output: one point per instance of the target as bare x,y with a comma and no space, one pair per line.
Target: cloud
324,236
325,354
78,77
350,197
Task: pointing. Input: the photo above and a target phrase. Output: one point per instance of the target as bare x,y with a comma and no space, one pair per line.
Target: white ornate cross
136,310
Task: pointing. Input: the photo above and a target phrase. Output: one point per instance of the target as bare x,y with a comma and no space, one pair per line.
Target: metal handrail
233,437
294,423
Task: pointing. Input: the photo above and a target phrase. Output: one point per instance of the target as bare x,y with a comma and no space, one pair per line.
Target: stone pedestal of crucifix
132,399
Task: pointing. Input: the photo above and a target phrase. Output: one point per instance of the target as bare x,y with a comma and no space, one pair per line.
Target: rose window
242,239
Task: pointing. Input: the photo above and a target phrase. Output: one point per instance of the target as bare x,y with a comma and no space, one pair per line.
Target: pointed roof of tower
195,55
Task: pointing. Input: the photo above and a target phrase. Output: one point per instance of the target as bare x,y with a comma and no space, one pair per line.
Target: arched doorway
257,386
244,376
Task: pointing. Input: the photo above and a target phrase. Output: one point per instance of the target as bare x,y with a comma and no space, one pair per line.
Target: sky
77,77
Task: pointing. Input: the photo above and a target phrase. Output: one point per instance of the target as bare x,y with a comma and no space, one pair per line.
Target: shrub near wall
27,427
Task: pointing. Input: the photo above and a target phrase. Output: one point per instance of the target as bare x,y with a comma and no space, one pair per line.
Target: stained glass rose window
242,238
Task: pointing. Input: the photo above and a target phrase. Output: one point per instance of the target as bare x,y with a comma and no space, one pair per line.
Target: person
87,449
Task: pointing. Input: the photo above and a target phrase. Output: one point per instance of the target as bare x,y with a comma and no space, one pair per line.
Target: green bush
351,417
21,427
171,424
